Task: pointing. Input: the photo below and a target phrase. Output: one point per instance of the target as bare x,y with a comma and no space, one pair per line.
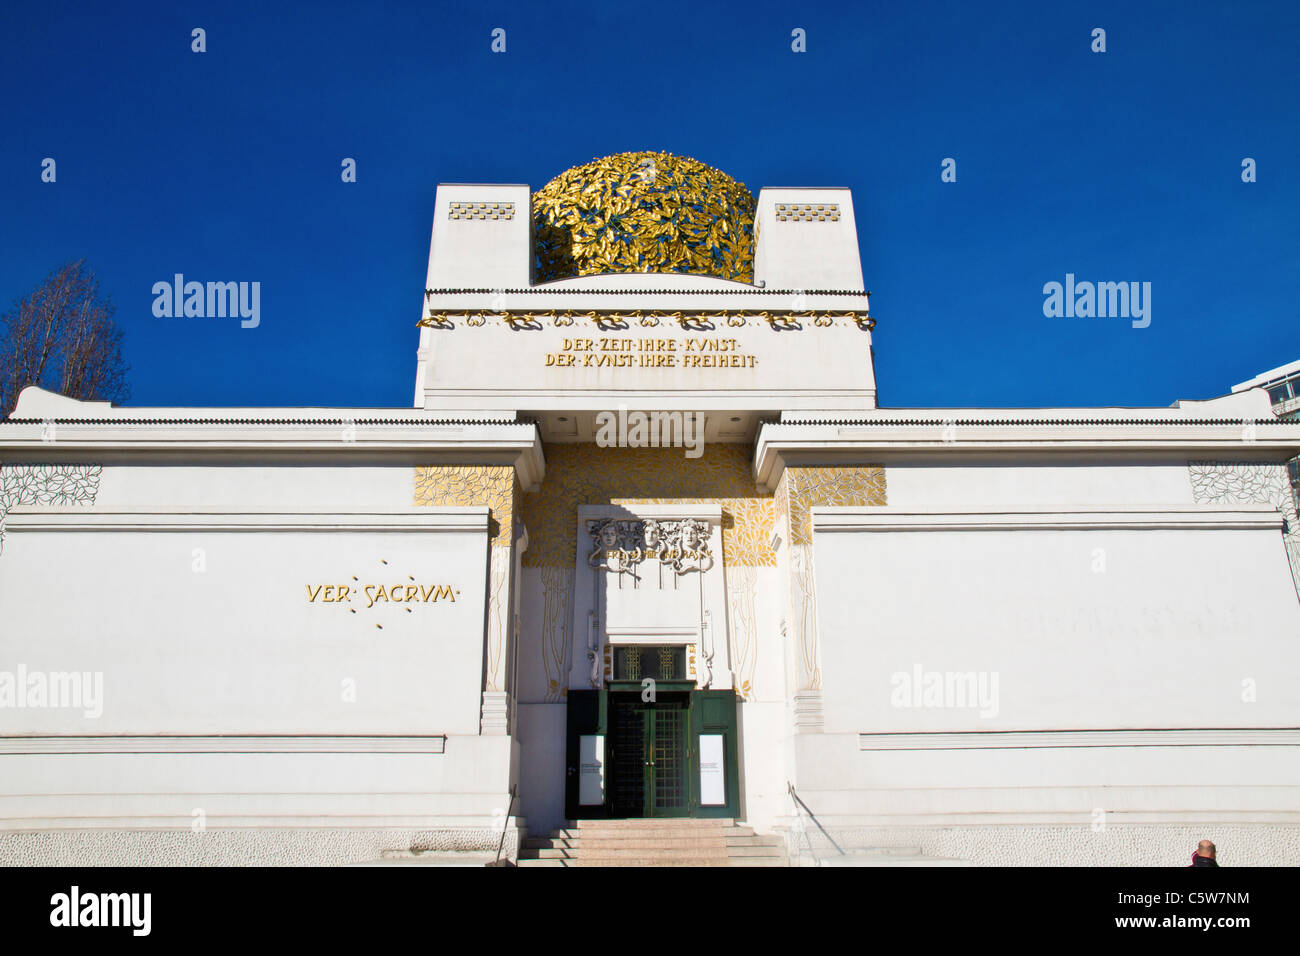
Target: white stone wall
226,691
1086,628
1139,641
556,357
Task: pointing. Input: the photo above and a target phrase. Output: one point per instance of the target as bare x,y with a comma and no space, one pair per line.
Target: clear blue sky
225,166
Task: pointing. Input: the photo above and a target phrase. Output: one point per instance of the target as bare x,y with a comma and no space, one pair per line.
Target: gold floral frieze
613,320
837,485
491,485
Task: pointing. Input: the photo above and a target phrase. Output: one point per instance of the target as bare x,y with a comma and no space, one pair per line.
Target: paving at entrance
651,842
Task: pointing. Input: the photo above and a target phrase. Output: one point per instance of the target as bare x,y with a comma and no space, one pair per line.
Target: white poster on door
591,781
713,774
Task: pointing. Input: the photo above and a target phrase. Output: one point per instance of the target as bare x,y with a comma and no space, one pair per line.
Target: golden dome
644,212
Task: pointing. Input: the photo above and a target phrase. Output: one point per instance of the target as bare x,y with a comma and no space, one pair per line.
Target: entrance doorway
672,753
647,755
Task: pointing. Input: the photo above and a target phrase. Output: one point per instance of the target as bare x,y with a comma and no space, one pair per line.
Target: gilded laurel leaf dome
644,212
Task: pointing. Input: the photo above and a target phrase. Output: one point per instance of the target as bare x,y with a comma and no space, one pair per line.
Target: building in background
1283,387
647,547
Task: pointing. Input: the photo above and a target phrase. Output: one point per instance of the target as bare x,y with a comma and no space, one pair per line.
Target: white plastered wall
1123,624
188,588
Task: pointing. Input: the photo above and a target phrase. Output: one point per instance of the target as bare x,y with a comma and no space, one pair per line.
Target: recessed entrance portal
671,752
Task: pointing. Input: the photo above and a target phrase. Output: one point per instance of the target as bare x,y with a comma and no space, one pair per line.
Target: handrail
799,800
505,823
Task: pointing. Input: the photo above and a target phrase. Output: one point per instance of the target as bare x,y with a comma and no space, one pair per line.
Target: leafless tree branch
61,336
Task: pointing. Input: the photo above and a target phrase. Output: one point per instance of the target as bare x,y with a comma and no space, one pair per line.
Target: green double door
673,755
647,755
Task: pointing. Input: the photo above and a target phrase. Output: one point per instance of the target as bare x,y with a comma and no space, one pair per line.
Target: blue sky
1115,166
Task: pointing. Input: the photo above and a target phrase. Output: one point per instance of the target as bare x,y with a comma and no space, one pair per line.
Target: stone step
655,823
650,857
632,838
650,847
672,841
629,861
752,840
590,832
548,843
741,851
574,828
648,842
548,854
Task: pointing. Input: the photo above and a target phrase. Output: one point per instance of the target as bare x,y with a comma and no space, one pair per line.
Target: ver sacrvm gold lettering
373,594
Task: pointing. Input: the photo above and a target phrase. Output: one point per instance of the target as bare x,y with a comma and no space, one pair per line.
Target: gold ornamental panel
842,486
491,485
588,474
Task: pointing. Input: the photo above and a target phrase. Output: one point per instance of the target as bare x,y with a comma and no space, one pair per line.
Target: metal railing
794,795
505,824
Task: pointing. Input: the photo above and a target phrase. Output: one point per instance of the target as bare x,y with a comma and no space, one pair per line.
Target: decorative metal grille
628,790
667,660
639,662
669,755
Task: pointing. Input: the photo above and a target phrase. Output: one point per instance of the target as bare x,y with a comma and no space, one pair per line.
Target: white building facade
646,546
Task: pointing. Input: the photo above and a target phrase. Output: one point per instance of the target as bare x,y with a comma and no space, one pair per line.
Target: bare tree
61,336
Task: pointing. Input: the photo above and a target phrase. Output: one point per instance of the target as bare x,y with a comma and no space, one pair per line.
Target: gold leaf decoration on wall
644,212
587,474
557,601
842,486
492,485
742,586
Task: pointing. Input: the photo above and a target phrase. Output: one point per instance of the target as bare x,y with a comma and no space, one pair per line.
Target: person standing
1204,854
